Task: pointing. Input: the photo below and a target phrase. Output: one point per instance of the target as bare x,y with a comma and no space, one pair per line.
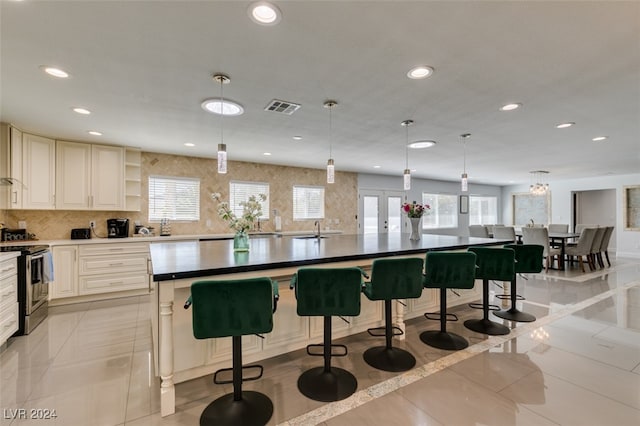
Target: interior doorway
597,207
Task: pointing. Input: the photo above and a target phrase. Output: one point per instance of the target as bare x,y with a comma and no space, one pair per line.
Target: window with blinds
241,191
308,202
174,198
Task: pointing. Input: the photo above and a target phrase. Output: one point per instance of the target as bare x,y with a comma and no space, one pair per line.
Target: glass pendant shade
331,172
222,158
464,183
407,179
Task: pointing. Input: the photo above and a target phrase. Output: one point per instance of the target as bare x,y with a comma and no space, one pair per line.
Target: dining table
556,239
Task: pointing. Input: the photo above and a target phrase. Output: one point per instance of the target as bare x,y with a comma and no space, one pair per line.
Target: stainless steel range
35,270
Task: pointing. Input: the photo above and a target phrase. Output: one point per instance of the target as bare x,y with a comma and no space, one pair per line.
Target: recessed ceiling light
56,72
264,13
376,167
565,125
94,133
510,107
421,71
82,111
297,138
599,138
266,154
422,144
189,144
227,107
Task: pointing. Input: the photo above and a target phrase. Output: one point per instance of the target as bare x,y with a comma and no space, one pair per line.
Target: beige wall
340,199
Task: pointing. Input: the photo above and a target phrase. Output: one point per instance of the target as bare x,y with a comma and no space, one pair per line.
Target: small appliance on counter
81,234
165,228
117,228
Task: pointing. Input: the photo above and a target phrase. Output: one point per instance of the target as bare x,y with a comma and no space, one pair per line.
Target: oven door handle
37,256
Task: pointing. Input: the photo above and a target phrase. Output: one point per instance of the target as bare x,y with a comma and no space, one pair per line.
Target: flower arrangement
251,211
414,209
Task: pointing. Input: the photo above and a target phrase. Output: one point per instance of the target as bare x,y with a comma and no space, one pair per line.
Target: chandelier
539,186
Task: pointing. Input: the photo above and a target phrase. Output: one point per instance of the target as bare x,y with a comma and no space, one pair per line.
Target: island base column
165,353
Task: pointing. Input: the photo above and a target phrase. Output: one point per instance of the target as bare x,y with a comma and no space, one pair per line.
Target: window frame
173,201
237,209
294,202
433,211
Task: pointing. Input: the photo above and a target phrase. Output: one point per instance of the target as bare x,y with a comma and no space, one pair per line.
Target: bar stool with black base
327,292
528,260
235,308
493,264
445,270
399,278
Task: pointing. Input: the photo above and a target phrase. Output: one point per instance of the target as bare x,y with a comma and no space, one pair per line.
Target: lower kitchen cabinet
65,272
8,298
100,270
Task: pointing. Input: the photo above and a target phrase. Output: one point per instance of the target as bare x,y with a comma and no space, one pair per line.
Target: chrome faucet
317,225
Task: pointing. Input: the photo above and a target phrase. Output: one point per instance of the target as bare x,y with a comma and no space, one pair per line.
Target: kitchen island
175,265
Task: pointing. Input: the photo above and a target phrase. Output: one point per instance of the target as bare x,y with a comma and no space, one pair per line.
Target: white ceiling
144,67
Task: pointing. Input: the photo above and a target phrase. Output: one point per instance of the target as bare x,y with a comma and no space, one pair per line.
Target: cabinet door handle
116,264
116,283
14,194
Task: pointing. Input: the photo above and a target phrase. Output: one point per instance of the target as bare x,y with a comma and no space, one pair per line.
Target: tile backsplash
340,199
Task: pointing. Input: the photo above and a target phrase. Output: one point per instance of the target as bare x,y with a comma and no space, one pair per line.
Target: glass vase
241,241
415,228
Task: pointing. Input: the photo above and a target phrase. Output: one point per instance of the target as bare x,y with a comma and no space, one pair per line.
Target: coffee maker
117,228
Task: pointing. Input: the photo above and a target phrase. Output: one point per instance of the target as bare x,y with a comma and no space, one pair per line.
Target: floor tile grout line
334,409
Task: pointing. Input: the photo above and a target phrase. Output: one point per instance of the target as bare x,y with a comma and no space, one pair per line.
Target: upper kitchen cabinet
132,179
89,177
38,172
10,167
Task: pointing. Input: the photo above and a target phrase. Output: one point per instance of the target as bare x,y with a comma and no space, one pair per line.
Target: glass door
380,212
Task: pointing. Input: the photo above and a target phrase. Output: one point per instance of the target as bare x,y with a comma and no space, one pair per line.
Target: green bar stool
445,270
493,264
327,292
529,258
392,279
235,308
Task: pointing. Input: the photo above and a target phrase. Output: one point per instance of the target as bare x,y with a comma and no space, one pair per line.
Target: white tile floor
578,364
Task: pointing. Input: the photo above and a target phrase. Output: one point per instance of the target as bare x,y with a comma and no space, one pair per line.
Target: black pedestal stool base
389,359
253,409
515,315
327,386
443,340
487,327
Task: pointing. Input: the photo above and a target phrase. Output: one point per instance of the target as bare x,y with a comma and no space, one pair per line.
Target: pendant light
464,185
222,147
407,170
331,172
539,186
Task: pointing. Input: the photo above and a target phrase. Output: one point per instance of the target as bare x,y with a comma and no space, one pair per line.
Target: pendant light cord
406,148
221,110
330,132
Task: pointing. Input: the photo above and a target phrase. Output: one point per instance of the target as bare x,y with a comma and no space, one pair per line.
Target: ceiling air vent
282,107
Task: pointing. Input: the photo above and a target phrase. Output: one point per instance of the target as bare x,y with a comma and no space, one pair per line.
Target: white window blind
175,198
240,192
308,202
483,210
443,212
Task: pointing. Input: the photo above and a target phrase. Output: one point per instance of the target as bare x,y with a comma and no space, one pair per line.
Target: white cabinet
89,177
10,167
107,268
65,267
38,172
8,298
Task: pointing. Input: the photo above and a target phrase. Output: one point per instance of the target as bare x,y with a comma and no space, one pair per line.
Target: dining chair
478,231
559,227
504,233
604,247
581,226
582,247
540,236
595,248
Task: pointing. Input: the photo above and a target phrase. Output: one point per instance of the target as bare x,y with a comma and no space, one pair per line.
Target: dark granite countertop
190,259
